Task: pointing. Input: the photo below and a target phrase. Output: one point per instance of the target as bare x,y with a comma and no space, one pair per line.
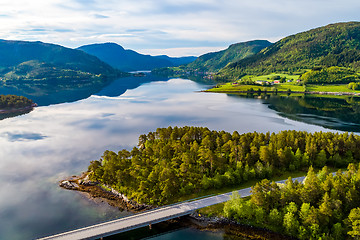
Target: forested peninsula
175,162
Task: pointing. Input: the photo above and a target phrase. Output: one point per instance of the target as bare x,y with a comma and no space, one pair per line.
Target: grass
270,76
230,87
293,87
282,87
214,210
330,88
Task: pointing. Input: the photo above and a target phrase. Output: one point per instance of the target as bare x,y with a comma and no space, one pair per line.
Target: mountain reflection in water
333,112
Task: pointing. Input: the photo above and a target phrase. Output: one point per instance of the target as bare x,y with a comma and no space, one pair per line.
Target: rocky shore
234,229
196,220
98,190
15,110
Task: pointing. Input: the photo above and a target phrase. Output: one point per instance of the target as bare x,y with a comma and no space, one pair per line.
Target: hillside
21,60
177,61
216,60
129,60
331,45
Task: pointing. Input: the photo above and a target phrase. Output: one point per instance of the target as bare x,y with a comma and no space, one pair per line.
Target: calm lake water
56,141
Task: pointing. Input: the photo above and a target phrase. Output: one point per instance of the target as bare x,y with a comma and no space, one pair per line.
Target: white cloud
166,24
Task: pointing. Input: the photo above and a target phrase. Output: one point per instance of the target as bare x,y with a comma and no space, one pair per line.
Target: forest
325,206
13,101
178,161
331,45
331,75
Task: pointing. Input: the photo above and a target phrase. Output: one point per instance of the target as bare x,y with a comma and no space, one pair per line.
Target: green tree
291,224
354,223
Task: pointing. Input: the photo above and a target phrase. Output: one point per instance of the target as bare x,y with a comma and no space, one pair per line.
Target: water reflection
333,112
45,94
25,136
57,141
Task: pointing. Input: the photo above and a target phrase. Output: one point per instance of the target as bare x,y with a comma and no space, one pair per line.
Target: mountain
129,60
332,45
21,60
177,61
214,61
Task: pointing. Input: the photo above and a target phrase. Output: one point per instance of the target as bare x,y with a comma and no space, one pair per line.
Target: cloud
22,136
100,16
167,24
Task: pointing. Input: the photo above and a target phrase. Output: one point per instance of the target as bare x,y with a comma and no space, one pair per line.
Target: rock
88,183
68,185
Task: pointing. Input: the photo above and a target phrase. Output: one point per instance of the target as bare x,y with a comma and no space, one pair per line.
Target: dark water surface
56,141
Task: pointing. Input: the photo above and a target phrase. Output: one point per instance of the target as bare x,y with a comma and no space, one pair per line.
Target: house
262,82
276,81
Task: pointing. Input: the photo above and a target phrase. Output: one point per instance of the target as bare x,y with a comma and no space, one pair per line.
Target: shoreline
289,92
15,110
106,193
234,228
94,190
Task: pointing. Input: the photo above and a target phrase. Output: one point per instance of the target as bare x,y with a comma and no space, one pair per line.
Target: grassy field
330,88
282,87
269,77
231,87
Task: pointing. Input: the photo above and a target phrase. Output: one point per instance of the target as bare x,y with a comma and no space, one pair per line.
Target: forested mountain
129,60
177,61
332,45
21,60
214,61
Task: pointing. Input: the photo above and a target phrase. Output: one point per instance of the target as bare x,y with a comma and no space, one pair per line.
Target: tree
275,219
338,231
354,223
321,159
304,211
311,191
291,224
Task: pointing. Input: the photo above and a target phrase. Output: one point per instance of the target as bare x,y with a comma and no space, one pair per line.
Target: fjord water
56,141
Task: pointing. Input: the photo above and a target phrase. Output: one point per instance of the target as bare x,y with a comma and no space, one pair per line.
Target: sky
171,27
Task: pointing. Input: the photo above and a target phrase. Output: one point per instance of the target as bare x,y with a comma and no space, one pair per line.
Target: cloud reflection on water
53,142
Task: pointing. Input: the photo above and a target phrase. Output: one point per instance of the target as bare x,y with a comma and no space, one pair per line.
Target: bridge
147,218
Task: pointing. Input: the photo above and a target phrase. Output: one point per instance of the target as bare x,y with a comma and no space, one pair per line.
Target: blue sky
172,27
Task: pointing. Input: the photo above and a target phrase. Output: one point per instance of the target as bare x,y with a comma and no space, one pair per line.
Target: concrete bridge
147,218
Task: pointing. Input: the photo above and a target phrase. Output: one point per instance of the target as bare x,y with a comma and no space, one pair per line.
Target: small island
14,104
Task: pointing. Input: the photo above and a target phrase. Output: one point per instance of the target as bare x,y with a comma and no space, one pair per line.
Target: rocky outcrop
98,190
69,185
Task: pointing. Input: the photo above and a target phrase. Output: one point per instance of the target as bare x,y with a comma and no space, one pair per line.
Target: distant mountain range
129,60
214,61
21,60
332,45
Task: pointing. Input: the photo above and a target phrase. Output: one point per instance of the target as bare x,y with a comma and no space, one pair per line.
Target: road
146,218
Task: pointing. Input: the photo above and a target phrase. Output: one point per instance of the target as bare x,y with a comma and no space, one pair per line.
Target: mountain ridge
26,60
214,61
335,44
130,60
